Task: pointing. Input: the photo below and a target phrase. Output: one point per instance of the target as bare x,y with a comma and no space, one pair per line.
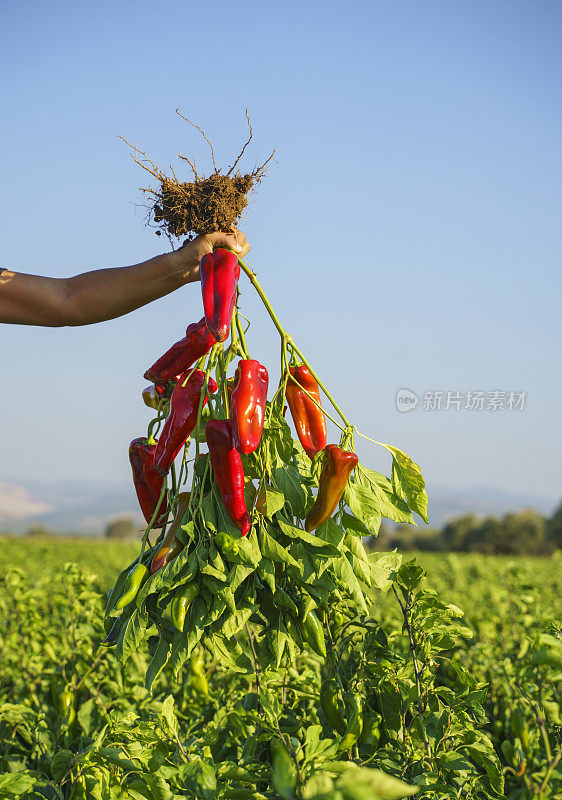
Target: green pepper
370,734
227,544
133,583
519,728
339,620
284,771
354,724
330,707
181,602
198,678
66,706
313,633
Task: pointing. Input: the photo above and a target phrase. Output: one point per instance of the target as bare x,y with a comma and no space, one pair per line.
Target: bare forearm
109,293
105,293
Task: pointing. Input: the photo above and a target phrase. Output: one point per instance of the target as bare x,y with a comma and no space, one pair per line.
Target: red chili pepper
219,273
148,483
247,410
309,420
336,469
184,405
229,473
197,341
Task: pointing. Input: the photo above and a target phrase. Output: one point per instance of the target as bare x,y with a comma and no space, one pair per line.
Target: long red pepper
148,482
229,473
309,420
184,405
219,272
336,469
247,410
197,341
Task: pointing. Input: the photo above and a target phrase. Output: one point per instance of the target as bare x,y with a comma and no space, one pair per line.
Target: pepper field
469,706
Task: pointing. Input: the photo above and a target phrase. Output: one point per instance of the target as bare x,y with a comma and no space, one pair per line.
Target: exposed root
203,205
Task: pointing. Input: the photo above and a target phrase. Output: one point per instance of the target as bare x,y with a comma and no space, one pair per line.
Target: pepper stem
285,336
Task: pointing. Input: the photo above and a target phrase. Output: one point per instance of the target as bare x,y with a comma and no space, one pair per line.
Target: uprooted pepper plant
253,564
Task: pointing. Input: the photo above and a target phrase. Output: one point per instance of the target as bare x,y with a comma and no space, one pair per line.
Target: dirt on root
204,204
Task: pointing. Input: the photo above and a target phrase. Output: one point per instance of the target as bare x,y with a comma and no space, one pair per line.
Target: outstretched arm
106,293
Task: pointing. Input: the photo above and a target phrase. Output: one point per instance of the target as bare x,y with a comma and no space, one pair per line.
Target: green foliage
457,705
554,529
515,533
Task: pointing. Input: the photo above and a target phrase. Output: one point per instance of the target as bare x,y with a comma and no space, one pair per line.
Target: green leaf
383,568
14,784
209,512
288,480
132,634
377,785
208,569
364,505
388,502
235,622
266,571
273,501
347,581
272,549
182,569
227,652
169,715
278,444
277,640
60,764
484,755
86,716
408,480
183,643
310,539
331,533
316,466
238,575
158,787
354,526
157,663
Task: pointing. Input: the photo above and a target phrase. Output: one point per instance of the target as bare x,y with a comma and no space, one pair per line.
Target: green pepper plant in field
272,534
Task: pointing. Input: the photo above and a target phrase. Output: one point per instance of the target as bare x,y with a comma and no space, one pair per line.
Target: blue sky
408,233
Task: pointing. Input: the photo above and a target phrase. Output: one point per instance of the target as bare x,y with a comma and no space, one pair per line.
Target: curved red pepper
229,473
197,341
219,272
148,483
247,410
184,405
336,469
309,420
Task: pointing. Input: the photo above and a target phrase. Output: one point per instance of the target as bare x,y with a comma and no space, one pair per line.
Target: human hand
188,256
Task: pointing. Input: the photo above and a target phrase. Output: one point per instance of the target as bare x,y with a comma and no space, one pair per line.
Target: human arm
105,294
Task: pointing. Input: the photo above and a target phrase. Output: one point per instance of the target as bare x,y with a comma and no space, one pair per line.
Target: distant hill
445,503
86,507
65,506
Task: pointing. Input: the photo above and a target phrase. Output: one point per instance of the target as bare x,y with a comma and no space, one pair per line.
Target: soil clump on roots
202,205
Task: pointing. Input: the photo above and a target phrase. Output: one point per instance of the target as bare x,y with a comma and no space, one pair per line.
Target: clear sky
408,232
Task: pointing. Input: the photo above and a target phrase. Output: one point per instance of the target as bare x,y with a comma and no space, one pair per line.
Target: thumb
228,240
